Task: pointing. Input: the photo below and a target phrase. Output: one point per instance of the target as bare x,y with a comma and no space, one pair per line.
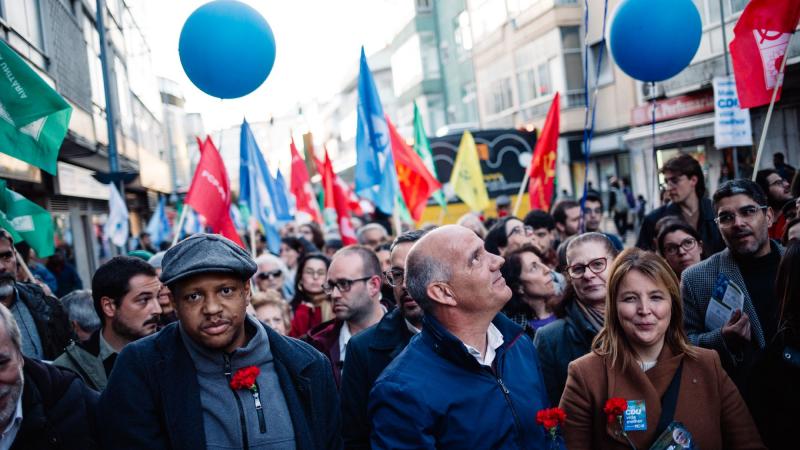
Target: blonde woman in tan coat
642,351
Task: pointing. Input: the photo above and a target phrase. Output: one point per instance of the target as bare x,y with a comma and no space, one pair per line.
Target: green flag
33,117
423,149
30,221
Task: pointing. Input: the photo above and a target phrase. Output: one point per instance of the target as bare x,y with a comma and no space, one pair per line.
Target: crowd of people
453,336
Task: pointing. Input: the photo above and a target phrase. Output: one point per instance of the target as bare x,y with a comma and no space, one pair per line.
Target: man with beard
354,285
43,323
217,378
778,195
41,406
125,293
471,379
372,350
750,262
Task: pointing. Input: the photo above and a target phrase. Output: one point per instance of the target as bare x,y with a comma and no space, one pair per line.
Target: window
545,84
424,5
500,99
736,6
462,34
23,17
407,65
606,74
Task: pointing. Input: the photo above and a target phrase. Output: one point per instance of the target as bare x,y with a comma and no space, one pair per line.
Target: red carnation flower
245,378
551,418
614,408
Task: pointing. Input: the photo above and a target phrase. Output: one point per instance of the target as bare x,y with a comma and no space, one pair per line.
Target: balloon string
653,131
589,117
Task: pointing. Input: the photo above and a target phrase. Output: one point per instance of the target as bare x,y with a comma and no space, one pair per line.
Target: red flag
300,186
416,182
210,194
543,165
336,198
757,50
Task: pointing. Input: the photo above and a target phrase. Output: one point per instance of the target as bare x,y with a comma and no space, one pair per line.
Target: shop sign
674,108
731,123
13,168
74,181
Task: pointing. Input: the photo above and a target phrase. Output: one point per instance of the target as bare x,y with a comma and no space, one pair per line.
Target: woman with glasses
680,245
643,356
589,256
311,304
506,235
531,283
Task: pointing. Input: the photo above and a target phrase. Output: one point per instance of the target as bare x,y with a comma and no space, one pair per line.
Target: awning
671,132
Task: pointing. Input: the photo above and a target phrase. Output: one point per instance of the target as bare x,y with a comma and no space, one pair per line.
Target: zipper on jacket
262,424
507,395
242,421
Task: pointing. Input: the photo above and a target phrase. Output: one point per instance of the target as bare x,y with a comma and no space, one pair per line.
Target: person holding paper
742,274
643,356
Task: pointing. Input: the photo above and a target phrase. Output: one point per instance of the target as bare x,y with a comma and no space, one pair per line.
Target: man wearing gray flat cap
217,378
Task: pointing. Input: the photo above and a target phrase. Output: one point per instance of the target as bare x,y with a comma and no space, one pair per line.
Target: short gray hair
370,226
266,258
80,308
421,270
11,327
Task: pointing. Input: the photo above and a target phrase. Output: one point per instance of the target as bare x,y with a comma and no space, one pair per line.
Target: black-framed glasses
596,266
779,181
687,245
525,230
395,277
344,285
270,275
727,218
673,180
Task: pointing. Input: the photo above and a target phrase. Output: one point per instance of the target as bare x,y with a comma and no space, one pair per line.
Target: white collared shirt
494,339
10,433
344,337
414,330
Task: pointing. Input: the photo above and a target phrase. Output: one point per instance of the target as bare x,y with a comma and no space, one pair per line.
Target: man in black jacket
685,185
369,352
44,325
42,406
182,387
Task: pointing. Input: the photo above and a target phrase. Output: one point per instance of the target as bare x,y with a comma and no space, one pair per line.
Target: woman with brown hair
642,355
531,283
311,304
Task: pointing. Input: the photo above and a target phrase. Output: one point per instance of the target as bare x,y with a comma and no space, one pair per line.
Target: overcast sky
317,41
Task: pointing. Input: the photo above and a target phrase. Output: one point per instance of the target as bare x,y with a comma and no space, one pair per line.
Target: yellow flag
467,177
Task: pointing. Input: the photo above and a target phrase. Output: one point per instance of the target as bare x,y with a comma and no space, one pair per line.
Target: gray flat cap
205,253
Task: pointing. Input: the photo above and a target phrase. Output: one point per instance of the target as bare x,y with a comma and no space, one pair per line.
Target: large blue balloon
652,40
227,48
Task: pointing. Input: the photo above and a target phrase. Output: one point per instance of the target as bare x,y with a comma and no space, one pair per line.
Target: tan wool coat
709,404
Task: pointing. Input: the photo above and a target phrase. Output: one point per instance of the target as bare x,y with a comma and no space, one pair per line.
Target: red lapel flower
551,419
245,378
614,408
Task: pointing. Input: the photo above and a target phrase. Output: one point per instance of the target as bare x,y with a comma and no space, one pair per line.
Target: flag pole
179,228
398,228
441,215
21,263
252,239
521,190
778,85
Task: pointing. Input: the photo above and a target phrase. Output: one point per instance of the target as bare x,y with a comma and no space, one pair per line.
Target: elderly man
746,271
372,235
125,293
82,315
217,378
354,285
41,406
471,379
371,351
45,325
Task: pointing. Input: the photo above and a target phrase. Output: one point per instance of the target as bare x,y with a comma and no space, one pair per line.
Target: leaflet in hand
726,298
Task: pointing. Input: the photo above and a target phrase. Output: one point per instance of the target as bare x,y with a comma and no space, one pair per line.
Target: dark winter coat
52,322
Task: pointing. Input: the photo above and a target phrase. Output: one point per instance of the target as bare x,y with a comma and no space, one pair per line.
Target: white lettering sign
731,123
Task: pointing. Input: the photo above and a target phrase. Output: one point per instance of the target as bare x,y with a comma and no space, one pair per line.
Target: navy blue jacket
368,353
436,395
152,400
707,228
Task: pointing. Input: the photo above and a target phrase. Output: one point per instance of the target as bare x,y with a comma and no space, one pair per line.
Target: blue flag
376,179
256,188
282,197
158,226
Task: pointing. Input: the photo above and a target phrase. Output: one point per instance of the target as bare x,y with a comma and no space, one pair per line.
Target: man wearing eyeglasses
685,185
471,378
778,195
354,285
372,350
750,262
